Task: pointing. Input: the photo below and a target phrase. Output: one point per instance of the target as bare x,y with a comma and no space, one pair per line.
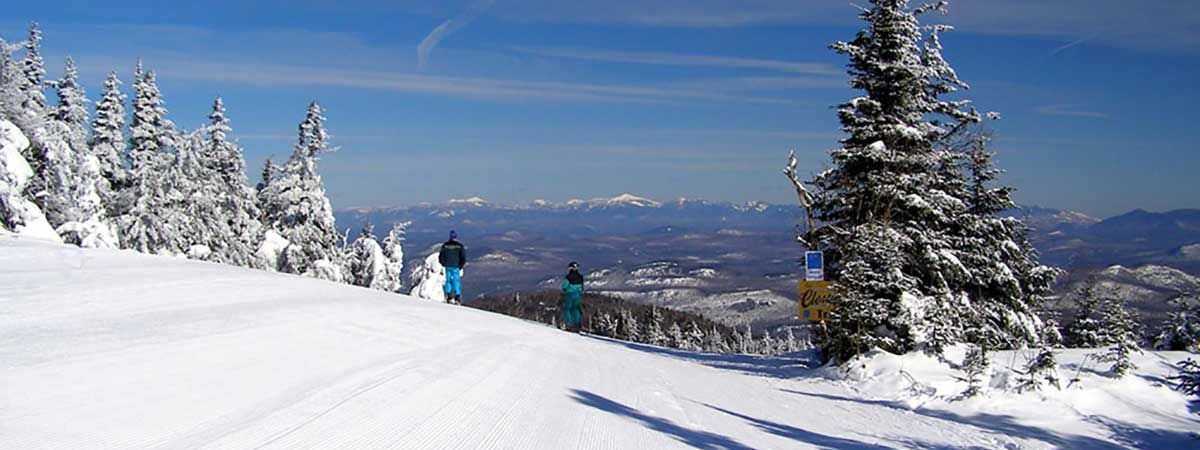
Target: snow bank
22,215
1093,411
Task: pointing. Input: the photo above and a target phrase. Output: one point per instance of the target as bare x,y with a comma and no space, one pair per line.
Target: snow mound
1091,412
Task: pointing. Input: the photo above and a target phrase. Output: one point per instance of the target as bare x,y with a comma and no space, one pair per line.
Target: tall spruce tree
366,260
237,203
1124,334
896,209
1087,330
34,69
294,204
108,141
393,252
145,199
1181,331
73,191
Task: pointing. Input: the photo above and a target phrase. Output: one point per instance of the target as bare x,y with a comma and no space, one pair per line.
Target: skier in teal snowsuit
572,287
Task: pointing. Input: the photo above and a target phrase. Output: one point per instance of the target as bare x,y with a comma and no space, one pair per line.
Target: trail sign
814,301
814,266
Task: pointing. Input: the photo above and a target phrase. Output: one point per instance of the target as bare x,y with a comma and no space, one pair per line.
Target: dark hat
453,235
573,265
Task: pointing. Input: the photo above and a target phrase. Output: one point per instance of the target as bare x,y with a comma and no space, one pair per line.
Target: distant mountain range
733,262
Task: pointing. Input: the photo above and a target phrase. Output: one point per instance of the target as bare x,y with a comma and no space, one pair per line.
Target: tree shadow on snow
802,435
694,438
764,366
1126,435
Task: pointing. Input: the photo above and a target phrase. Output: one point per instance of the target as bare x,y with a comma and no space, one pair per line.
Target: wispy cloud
477,8
469,87
1068,45
675,59
1159,25
1070,111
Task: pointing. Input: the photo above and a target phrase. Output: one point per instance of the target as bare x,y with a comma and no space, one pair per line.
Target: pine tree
366,261
767,344
72,101
33,67
145,200
1006,284
693,338
675,338
393,252
268,173
150,132
893,205
745,342
974,366
714,342
1087,331
1187,380
605,325
654,331
1041,369
1181,331
294,204
1124,332
629,329
108,141
237,202
72,187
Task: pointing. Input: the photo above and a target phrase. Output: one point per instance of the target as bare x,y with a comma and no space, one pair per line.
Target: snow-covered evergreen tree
605,325
72,188
1005,284
150,132
1187,380
745,341
143,202
896,208
1039,370
974,365
72,106
33,67
1087,331
237,203
654,333
714,342
1123,331
1181,331
108,141
693,338
629,329
295,205
675,337
767,345
393,253
366,260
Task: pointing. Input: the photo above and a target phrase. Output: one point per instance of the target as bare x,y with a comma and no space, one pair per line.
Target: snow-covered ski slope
105,349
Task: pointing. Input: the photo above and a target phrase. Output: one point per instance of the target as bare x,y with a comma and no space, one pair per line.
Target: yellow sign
814,301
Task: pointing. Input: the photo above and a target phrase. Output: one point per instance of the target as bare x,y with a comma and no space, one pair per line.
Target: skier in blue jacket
453,257
572,287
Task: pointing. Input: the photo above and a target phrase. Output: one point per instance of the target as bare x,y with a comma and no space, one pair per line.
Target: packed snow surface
106,349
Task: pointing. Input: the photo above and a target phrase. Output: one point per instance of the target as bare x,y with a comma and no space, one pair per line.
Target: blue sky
514,100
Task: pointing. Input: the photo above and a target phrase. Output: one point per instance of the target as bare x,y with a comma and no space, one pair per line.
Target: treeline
137,181
647,324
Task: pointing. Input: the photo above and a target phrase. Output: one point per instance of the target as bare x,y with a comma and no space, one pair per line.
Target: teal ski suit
572,287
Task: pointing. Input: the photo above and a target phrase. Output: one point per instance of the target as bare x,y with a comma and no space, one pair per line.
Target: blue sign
814,266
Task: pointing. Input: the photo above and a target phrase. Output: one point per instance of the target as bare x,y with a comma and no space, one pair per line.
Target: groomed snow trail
115,350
